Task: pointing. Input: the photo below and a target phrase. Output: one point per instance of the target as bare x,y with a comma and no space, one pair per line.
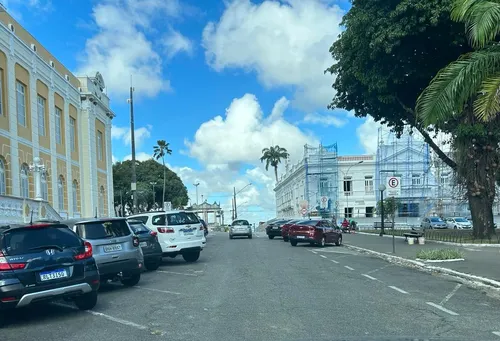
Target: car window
139,228
103,229
181,218
436,220
143,218
20,241
309,222
192,218
158,220
461,220
240,222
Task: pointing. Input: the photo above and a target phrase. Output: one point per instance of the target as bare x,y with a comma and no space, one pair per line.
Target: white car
179,232
458,223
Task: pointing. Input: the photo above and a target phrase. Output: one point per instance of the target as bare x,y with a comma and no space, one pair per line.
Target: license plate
275,227
300,237
50,275
143,244
112,248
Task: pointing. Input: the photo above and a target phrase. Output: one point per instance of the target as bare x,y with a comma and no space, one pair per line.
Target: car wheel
285,239
230,237
322,242
86,301
339,241
152,266
132,280
271,237
249,236
3,319
293,242
191,256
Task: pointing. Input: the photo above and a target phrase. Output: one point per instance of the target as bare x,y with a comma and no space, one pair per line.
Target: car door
327,230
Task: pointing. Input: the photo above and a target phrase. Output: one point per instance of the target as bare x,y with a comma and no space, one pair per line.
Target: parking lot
263,289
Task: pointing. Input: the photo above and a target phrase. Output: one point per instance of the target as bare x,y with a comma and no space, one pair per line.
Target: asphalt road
266,290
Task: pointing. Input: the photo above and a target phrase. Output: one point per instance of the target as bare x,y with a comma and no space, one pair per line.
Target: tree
388,53
390,206
159,152
273,156
465,91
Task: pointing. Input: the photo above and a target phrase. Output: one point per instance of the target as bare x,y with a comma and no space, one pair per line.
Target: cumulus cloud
175,42
284,42
240,136
325,120
123,134
141,156
122,47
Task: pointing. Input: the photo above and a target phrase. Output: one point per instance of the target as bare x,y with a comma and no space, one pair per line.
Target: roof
16,225
157,212
89,220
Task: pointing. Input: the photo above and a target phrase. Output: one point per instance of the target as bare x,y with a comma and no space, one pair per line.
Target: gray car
116,249
240,228
433,223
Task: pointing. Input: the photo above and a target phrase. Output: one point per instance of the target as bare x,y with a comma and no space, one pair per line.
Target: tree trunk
276,172
164,179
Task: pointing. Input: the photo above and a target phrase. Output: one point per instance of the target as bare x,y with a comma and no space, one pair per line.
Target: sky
217,79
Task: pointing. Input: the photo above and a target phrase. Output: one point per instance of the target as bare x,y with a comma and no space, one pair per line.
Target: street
263,289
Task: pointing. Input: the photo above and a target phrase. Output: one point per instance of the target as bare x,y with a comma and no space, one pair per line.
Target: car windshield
139,228
240,222
436,220
179,218
103,229
21,241
461,220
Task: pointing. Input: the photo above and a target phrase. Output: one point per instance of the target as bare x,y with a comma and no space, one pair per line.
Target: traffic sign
304,211
324,202
304,204
393,185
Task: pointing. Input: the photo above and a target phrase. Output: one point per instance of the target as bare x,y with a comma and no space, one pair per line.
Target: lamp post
345,174
196,185
37,168
153,183
381,189
133,183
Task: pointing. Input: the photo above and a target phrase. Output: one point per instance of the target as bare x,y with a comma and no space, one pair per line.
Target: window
101,201
25,190
40,108
72,133
103,229
74,193
99,145
1,91
415,179
368,184
445,178
347,186
3,178
369,211
58,126
139,227
348,212
60,192
21,103
45,187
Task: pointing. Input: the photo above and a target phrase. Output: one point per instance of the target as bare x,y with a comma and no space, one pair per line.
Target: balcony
20,210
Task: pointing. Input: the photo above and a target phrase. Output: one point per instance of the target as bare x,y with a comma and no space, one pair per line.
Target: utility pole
133,184
153,183
232,208
235,212
196,185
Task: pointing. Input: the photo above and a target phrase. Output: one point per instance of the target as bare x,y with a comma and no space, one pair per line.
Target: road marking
496,333
397,289
322,256
442,308
314,252
158,290
348,267
176,273
107,317
370,272
334,261
450,295
370,277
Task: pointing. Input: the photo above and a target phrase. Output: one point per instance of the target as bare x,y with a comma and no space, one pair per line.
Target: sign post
303,211
324,202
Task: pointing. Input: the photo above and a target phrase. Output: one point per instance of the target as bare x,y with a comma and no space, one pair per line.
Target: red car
286,227
315,232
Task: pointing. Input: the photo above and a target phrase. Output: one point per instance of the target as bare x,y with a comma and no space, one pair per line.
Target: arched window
3,178
74,193
45,186
60,192
101,201
25,188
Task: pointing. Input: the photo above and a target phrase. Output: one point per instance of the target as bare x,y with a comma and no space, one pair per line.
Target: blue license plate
54,274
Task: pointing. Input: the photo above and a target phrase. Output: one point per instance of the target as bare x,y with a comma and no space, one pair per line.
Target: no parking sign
393,186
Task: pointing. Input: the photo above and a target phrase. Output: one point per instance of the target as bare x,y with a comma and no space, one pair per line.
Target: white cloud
141,156
325,120
114,159
123,47
123,134
244,132
286,43
175,42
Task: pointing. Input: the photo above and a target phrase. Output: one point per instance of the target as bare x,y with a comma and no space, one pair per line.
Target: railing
20,210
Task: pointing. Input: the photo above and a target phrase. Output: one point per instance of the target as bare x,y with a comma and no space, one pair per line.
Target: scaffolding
321,179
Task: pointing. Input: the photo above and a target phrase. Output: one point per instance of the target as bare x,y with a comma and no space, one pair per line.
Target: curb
440,260
436,241
473,280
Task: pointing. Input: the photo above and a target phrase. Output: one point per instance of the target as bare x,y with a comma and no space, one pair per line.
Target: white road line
158,290
348,267
370,272
442,308
107,317
450,295
314,252
334,261
397,289
176,273
496,333
322,256
370,277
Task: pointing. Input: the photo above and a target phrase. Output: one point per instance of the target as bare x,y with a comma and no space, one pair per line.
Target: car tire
339,241
3,319
271,237
86,301
132,280
285,239
153,266
230,237
191,257
249,236
293,242
322,242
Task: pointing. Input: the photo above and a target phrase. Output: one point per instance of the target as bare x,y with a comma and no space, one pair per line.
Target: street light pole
382,189
133,184
196,185
345,174
153,183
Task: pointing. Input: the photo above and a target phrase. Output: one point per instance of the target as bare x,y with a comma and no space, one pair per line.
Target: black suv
45,262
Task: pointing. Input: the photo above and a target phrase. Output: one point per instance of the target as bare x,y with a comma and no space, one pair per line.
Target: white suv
179,232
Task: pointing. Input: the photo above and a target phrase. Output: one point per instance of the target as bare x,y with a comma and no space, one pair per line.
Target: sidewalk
479,261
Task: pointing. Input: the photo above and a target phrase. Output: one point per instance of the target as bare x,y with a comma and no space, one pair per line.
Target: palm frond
487,106
455,84
481,18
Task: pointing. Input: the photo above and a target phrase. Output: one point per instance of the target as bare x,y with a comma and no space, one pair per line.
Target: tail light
5,265
135,241
86,254
165,230
153,233
201,227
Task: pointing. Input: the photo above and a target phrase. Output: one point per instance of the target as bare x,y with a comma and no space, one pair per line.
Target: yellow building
55,134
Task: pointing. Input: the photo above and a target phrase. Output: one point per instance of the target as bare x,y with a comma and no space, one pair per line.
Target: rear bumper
170,248
276,233
151,255
183,251
128,266
240,233
306,239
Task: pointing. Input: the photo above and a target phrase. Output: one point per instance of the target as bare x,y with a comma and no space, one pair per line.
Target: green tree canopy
148,172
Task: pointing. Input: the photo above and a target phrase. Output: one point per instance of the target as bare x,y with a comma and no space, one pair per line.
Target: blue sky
218,80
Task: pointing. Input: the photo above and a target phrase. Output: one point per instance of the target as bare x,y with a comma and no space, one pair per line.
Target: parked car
205,226
148,241
240,228
116,248
458,223
44,262
179,233
285,228
315,232
433,223
274,228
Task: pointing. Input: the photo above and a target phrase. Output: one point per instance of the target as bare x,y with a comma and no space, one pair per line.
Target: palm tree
159,151
273,156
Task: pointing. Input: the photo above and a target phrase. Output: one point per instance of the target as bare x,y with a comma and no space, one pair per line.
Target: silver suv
115,248
240,228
